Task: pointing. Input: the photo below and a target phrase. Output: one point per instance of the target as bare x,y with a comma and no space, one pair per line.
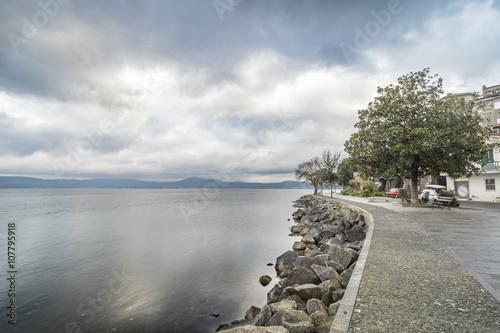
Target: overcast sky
235,89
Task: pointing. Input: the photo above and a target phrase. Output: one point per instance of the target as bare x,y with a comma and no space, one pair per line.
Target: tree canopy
319,171
410,131
310,171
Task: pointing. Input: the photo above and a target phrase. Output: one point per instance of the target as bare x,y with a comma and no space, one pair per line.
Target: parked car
393,193
432,193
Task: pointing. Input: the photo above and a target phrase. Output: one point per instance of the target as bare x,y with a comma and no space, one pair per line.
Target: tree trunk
414,180
316,190
331,190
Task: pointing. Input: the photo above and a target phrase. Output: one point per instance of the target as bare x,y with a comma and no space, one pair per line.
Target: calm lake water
99,260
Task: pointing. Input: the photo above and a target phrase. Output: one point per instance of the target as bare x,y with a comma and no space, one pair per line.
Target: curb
343,317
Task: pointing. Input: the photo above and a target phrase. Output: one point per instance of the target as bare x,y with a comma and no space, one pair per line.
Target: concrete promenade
429,270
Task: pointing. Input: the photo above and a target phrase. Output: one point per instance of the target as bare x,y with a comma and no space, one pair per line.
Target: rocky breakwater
314,273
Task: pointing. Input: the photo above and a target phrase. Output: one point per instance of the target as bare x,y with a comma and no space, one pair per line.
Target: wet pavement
429,269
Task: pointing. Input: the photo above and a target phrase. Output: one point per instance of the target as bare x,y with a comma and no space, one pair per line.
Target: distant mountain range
193,182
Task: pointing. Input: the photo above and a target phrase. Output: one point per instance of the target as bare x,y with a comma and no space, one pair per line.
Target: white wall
477,187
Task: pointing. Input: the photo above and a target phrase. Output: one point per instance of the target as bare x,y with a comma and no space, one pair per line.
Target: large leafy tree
410,131
310,171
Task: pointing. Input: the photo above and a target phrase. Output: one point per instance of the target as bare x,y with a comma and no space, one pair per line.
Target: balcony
492,166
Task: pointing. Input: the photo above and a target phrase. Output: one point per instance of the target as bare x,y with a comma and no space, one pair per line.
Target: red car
393,193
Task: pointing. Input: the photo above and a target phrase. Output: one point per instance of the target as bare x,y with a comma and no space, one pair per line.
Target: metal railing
492,166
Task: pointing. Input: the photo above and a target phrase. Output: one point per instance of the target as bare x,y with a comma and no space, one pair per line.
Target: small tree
310,171
410,131
329,164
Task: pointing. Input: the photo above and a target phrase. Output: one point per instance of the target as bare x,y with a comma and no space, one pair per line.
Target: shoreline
316,273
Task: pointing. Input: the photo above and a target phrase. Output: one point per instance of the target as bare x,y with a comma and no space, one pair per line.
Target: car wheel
396,196
387,195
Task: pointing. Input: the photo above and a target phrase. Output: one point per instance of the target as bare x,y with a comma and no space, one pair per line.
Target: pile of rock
315,273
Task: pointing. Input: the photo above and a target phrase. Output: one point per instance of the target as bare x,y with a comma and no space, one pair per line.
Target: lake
112,260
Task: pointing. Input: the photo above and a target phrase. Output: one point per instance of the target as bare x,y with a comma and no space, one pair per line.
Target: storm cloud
162,90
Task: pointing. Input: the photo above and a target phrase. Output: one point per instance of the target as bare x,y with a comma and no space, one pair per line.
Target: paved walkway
429,270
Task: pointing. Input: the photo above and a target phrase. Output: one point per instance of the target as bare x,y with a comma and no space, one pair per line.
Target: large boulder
342,256
284,305
325,273
299,246
345,277
297,228
293,320
335,265
307,262
297,215
308,239
285,263
314,305
263,318
274,294
300,275
306,291
251,313
355,235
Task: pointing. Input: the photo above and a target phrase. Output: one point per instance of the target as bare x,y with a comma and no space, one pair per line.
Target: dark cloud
187,92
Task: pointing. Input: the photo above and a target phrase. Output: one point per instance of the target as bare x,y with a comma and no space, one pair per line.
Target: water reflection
76,244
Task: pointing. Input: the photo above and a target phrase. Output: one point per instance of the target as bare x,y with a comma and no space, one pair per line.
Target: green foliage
370,186
310,171
329,164
403,193
454,201
319,171
410,131
345,170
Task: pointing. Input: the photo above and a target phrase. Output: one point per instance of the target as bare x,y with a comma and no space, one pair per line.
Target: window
490,185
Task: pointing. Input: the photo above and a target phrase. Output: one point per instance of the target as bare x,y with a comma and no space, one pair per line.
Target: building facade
485,186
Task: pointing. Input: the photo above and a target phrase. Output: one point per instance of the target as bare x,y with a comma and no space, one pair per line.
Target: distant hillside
193,182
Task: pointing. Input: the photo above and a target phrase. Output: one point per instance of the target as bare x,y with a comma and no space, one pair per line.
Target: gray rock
298,214
345,277
297,228
333,308
305,219
335,265
293,320
265,280
263,318
251,313
321,321
274,294
332,295
256,329
285,262
307,262
306,291
335,241
284,305
324,273
300,275
315,252
355,235
337,295
299,246
308,239
314,305
341,255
